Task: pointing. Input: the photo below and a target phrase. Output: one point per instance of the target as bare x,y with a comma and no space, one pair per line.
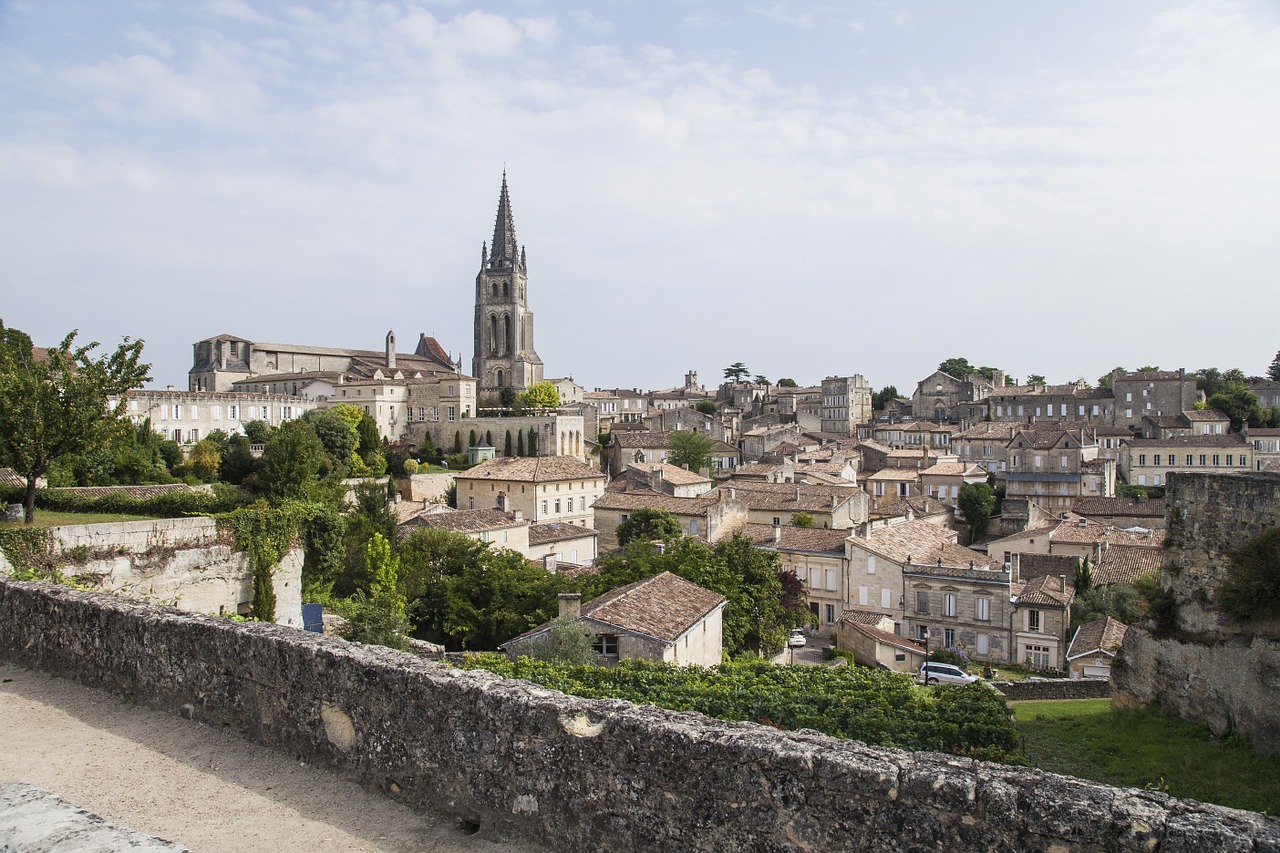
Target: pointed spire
504,249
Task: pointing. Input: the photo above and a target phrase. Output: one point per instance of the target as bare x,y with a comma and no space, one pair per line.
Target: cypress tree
533,442
519,444
457,441
506,445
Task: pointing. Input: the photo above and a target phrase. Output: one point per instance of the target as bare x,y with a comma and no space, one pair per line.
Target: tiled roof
988,431
946,469
1231,439
1200,415
920,505
1125,564
1044,439
920,540
1097,506
895,474
143,492
1137,375
884,637
466,520
863,617
1264,432
1039,565
1167,421
1102,635
11,479
543,534
663,606
817,539
671,473
1047,590
790,497
531,469
622,501
642,439
872,444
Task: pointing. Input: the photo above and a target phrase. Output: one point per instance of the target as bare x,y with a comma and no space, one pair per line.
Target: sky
811,189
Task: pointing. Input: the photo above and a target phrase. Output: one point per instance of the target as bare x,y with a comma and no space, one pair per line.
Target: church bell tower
504,356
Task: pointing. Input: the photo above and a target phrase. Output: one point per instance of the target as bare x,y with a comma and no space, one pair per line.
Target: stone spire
504,251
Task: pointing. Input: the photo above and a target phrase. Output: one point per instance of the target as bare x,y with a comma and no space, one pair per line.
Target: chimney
519,514
504,503
1062,579
733,493
864,529
168,388
835,501
797,494
570,602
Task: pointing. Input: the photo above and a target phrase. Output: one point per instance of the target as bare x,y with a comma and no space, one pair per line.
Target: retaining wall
580,774
1057,688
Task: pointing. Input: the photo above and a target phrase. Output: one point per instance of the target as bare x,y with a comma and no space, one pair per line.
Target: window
1033,620
922,601
231,412
1189,457
1229,460
831,613
1202,458
693,522
544,508
1037,657
831,580
862,596
884,599
1142,459
1217,460
949,637
777,521
451,413
949,606
193,435
982,609
984,644
606,645
871,564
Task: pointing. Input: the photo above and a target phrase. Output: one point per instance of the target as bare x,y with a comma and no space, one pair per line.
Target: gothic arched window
493,334
498,376
506,289
495,289
506,333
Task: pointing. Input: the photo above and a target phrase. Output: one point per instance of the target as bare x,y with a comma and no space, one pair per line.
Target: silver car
934,672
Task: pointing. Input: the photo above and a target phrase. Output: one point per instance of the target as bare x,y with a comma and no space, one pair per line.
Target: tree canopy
880,398
960,368
977,501
648,524
54,402
541,395
736,372
1273,372
787,382
690,449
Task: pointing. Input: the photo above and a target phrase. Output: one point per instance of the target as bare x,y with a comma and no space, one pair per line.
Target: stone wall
185,562
425,487
1056,688
575,773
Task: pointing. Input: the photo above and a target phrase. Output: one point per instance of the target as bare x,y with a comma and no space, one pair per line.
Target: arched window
495,289
506,333
493,334
506,289
498,379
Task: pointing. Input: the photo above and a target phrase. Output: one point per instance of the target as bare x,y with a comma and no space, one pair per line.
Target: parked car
796,640
944,673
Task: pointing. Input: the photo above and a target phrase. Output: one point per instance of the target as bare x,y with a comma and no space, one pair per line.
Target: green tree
370,447
540,395
291,462
1273,372
882,397
1120,602
706,407
736,372
206,459
258,432
506,444
977,501
520,443
427,451
60,401
566,642
648,524
689,448
457,441
1037,379
1104,381
533,442
1084,577
238,464
1234,399
338,432
383,569
409,466
761,379
801,519
957,368
786,382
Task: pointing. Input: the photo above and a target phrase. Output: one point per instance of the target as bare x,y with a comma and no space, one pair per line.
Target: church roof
504,251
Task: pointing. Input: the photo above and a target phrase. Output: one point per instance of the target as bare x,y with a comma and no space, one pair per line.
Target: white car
796,640
944,673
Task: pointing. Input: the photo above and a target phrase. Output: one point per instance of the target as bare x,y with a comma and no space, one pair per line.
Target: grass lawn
48,518
1146,749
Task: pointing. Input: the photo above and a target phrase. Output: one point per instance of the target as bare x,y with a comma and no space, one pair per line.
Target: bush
173,504
955,655
1251,589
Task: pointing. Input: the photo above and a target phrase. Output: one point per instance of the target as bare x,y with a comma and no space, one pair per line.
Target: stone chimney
777,533
864,529
570,602
1062,581
519,514
391,350
504,502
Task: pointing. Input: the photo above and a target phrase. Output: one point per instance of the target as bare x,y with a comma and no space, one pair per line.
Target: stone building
188,416
710,516
962,602
846,402
1042,621
941,396
504,356
1149,461
1146,392
1053,467
818,559
545,489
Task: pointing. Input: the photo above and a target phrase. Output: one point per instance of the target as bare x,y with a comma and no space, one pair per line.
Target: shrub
1251,589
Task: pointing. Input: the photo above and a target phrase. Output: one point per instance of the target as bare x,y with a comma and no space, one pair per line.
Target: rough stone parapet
576,773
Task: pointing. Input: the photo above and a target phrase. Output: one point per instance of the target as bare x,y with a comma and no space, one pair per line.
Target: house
1074,535
818,558
1122,512
1124,564
945,478
664,479
1145,392
1148,461
1054,467
641,446
188,416
1181,424
1041,620
558,545
1266,448
958,600
662,618
682,397
710,516
834,507
760,441
893,484
986,444
940,395
846,402
544,488
869,636
1094,647
508,530
684,418
1072,404
1268,391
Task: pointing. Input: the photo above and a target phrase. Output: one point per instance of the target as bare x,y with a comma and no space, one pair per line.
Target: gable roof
816,539
1103,635
1047,591
1125,564
531,469
885,637
466,521
556,531
1128,507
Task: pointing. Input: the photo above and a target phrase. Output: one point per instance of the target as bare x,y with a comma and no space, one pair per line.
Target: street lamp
924,635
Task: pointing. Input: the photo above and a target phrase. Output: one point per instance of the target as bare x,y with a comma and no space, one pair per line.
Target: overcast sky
809,188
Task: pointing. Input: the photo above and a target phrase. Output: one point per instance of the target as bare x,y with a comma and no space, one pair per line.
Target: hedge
174,504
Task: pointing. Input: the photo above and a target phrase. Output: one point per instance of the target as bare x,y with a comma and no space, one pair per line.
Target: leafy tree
957,368
690,449
409,466
647,524
508,397
706,407
1273,372
977,501
882,397
786,382
761,379
519,444
540,395
801,519
55,403
337,432
1148,367
533,442
383,570
1120,602
457,441
427,451
795,600
506,444
736,372
1104,381
323,551
206,459
471,438
291,461
1084,577
258,432
1236,401
566,642
370,447
238,463
1037,379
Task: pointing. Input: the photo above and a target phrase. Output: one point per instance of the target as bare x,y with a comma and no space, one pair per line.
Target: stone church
503,334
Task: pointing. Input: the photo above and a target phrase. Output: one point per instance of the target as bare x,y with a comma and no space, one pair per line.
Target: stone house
959,600
945,478
1182,424
560,546
1147,392
870,637
1123,512
800,406
833,507
1050,466
685,418
893,484
710,517
546,488
1149,461
1076,536
683,397
986,444
1066,405
664,479
618,405
1042,620
662,618
188,416
1268,391
939,395
846,402
501,529
759,442
1266,448
818,558
1094,646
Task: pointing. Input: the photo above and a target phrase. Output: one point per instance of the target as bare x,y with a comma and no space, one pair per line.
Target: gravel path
202,787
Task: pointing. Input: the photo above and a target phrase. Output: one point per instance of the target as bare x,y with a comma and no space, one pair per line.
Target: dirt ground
202,787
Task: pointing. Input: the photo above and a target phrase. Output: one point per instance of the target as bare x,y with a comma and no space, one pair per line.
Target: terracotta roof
1230,439
948,469
885,637
818,539
864,617
790,497
1031,566
1125,564
671,473
1147,508
663,606
621,501
1211,415
895,474
642,439
466,520
989,430
10,478
1264,432
1102,635
1047,591
543,534
920,540
150,491
920,505
531,469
